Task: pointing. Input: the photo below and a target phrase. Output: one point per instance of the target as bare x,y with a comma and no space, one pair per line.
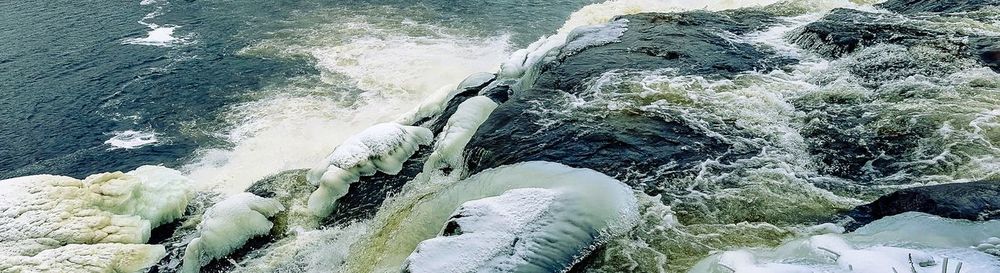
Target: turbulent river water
247,95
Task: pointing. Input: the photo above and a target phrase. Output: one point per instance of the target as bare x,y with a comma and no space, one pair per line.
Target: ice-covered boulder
46,220
103,208
448,150
909,242
383,147
522,230
78,258
227,225
971,201
548,214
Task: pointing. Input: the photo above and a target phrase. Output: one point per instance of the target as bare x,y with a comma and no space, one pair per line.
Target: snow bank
40,214
87,258
227,225
548,214
457,133
383,147
911,242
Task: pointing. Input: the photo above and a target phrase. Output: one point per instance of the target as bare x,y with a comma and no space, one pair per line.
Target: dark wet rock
292,190
988,51
978,201
614,144
499,94
692,43
916,6
844,31
437,122
537,124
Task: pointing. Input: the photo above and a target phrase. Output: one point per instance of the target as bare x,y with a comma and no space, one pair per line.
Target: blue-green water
73,74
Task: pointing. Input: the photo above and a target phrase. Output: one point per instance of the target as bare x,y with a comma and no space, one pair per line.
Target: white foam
158,35
130,139
291,127
227,225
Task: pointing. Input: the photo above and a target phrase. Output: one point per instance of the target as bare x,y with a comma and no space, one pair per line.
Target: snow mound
910,242
457,133
103,208
87,258
227,225
41,214
383,147
528,217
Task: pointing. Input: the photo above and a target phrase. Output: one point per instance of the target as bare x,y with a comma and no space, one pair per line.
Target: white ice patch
38,214
383,147
436,102
130,139
98,258
574,211
448,151
590,36
227,225
910,242
522,230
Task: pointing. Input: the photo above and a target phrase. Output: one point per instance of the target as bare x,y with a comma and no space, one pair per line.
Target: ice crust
61,224
383,147
227,226
528,217
910,242
448,150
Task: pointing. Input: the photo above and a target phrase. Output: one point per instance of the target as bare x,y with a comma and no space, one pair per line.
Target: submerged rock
844,31
916,6
978,201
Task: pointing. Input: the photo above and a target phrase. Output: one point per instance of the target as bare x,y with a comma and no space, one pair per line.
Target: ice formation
87,258
383,147
549,214
46,219
910,242
590,36
436,102
458,131
522,230
228,225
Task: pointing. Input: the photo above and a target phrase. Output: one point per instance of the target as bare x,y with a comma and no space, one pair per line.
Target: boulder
978,201
947,6
537,124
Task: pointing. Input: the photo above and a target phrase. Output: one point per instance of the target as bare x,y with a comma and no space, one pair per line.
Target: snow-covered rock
50,222
80,258
448,150
383,147
227,226
531,217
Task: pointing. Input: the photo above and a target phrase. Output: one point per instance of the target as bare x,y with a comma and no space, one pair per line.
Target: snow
383,147
458,132
227,225
87,258
909,242
590,36
42,213
527,217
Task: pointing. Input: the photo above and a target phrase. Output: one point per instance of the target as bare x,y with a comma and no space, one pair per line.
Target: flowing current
308,78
